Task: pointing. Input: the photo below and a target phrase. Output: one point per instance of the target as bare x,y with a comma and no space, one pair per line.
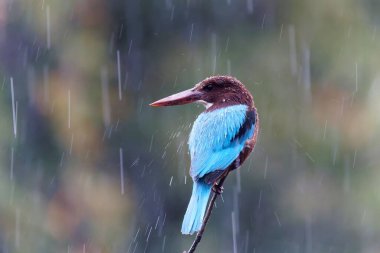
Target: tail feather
196,209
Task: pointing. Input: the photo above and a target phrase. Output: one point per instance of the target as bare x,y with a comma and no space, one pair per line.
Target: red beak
181,98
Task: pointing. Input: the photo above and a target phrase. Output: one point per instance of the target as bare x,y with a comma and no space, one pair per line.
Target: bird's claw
217,189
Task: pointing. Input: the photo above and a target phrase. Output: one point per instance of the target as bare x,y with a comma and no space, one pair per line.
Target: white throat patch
204,103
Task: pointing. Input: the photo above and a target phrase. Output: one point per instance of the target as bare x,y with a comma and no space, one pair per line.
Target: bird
220,140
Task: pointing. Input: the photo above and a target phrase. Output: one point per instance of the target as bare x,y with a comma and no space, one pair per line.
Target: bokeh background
87,166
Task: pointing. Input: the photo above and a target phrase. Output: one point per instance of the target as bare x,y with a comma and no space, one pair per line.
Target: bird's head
213,92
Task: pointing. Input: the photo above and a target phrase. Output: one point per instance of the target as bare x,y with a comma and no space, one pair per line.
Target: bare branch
198,238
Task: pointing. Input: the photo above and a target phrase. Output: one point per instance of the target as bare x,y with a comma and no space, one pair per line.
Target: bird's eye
208,87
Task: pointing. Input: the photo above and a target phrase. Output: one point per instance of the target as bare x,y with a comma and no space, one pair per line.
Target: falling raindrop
263,22
151,143
347,175
306,79
324,130
213,52
265,167
171,180
12,163
134,250
310,157
277,218
119,74
260,196
105,97
158,219
227,44
68,109
13,109
163,244
234,232
121,171
163,223
125,80
236,207
147,238
62,159
292,50
117,124
172,14
238,181
48,34
130,47
356,77
137,233
71,143
121,30
135,162
191,32
46,83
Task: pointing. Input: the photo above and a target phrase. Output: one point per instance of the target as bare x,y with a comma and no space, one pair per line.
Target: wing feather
217,138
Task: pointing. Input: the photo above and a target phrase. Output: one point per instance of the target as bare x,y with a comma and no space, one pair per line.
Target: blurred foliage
92,168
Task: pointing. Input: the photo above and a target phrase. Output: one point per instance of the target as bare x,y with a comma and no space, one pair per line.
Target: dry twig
198,238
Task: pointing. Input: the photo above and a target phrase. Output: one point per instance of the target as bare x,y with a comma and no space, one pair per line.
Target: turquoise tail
196,209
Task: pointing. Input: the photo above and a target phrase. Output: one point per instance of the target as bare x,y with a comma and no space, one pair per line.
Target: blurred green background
87,166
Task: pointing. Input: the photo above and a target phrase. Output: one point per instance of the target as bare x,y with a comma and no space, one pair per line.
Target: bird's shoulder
218,137
216,129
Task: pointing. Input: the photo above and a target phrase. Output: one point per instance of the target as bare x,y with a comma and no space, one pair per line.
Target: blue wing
217,138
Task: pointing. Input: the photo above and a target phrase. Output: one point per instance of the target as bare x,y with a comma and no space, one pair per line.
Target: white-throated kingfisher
221,139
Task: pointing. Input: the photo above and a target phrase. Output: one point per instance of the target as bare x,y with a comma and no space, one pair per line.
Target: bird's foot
217,189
